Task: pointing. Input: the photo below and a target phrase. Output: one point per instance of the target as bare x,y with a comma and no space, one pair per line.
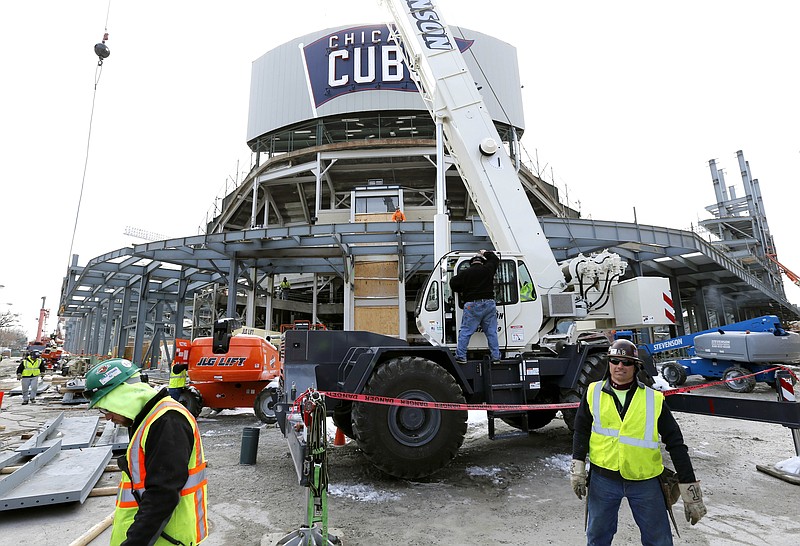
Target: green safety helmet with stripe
106,376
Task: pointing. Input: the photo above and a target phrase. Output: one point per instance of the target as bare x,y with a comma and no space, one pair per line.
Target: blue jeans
175,393
481,313
647,505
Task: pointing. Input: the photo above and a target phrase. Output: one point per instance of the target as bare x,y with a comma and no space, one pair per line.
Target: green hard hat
107,375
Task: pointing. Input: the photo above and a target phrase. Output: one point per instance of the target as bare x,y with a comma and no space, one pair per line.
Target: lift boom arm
450,93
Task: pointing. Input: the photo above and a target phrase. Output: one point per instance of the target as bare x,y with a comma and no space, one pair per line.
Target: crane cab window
432,300
527,291
505,281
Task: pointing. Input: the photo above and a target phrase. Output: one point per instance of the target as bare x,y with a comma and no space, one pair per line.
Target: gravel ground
513,491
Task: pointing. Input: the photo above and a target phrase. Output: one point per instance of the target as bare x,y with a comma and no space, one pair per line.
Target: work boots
24,402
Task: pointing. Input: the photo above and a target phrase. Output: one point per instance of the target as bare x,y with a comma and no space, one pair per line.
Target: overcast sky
626,102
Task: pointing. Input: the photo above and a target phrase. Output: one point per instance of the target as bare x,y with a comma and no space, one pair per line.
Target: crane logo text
428,22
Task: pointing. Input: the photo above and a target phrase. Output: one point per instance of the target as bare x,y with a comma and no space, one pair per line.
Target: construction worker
398,216
28,371
619,423
475,286
285,285
162,492
526,292
177,379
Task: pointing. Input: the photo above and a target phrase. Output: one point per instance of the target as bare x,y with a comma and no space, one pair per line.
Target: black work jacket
668,429
477,281
169,445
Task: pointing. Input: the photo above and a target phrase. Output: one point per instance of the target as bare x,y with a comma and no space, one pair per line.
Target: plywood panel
386,269
374,217
380,320
376,288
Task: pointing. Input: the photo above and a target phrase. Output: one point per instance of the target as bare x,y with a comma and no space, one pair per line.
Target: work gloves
693,506
577,477
19,377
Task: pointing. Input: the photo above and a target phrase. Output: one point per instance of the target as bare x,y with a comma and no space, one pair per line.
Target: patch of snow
661,384
237,411
361,492
476,417
792,466
492,473
560,462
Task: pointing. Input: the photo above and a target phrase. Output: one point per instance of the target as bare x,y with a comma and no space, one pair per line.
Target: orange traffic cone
339,439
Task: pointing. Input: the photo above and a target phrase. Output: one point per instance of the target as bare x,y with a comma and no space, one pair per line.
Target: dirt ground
512,491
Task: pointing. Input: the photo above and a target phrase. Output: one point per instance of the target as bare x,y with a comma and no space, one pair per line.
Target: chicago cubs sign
358,59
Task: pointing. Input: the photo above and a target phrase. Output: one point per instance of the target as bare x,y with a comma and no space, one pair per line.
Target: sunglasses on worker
619,361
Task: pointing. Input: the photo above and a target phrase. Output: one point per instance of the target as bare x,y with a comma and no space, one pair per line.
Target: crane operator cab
439,309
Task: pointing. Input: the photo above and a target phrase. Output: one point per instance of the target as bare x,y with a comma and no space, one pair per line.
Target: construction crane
785,270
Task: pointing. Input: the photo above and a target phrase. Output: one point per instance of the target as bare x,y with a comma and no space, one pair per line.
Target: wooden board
380,320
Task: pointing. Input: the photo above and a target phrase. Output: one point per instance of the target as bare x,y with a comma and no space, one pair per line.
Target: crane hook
101,50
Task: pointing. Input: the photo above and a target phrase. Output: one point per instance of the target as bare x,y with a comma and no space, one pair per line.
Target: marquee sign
358,59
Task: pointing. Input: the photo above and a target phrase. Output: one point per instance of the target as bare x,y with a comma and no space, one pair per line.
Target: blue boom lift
730,351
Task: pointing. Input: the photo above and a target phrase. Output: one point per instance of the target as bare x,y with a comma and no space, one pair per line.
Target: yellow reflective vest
630,445
189,523
177,380
31,368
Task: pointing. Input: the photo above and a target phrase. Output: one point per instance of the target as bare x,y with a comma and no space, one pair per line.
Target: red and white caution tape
388,401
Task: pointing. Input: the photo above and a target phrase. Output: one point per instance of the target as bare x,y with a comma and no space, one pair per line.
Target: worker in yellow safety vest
619,423
177,380
526,292
28,373
162,498
284,286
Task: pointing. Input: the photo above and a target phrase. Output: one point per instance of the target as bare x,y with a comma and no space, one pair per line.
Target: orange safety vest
189,522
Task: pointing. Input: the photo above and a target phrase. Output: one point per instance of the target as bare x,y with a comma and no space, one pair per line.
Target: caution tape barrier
388,401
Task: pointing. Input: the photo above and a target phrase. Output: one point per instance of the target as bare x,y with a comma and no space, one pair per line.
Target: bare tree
7,319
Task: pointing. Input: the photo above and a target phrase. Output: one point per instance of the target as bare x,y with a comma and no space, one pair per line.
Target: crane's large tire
746,384
594,368
404,442
343,419
673,373
192,400
264,407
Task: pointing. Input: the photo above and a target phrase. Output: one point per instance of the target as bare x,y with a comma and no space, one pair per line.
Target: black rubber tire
192,401
343,418
410,443
594,368
673,373
263,406
742,385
